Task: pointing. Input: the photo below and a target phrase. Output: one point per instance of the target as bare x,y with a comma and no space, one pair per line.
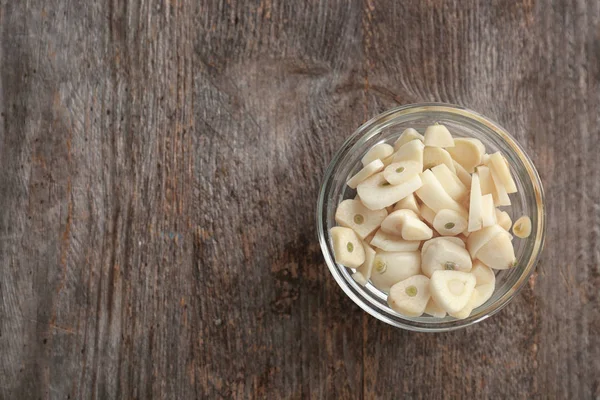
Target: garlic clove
522,227
428,214
499,165
367,267
478,239
411,151
483,274
408,203
488,212
451,290
467,152
433,156
407,136
387,242
347,247
485,180
434,196
400,172
410,296
376,193
503,219
450,239
415,229
390,268
434,310
483,293
438,135
466,310
392,224
368,170
353,214
500,195
475,204
449,223
450,182
462,174
498,253
360,278
445,255
378,152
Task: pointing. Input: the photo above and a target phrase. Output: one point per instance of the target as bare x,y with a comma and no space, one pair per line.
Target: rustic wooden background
159,168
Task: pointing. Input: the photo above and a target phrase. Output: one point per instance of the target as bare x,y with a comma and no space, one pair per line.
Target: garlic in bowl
437,171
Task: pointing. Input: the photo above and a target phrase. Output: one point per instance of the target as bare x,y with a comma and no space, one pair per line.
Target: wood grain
159,168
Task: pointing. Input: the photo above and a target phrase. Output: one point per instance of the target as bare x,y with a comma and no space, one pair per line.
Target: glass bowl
462,122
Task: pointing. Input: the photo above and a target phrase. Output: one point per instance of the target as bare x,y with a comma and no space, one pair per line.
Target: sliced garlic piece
500,195
400,172
360,278
475,204
478,239
387,242
449,223
503,219
451,290
379,151
388,160
450,239
488,212
408,203
485,180
434,196
392,224
353,214
438,135
485,159
410,296
482,273
428,214
445,255
347,247
376,193
499,165
367,267
498,253
467,152
390,268
370,169
462,174
408,135
415,229
450,182
522,227
434,310
466,310
433,156
483,293
411,151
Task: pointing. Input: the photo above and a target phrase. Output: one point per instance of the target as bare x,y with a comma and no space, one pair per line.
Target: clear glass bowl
462,122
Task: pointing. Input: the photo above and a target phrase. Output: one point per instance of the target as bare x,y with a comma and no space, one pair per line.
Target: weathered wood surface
159,168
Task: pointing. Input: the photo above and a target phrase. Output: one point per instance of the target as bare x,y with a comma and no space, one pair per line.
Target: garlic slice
451,290
408,135
368,170
376,193
347,247
353,214
377,152
438,136
410,296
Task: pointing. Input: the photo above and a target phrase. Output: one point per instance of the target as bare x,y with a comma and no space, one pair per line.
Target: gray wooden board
159,168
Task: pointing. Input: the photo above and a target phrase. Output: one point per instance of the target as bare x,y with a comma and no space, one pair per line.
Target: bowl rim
365,132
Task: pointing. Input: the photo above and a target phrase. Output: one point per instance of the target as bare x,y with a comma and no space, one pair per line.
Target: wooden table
159,169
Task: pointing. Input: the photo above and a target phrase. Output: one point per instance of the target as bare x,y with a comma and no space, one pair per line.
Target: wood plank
160,163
